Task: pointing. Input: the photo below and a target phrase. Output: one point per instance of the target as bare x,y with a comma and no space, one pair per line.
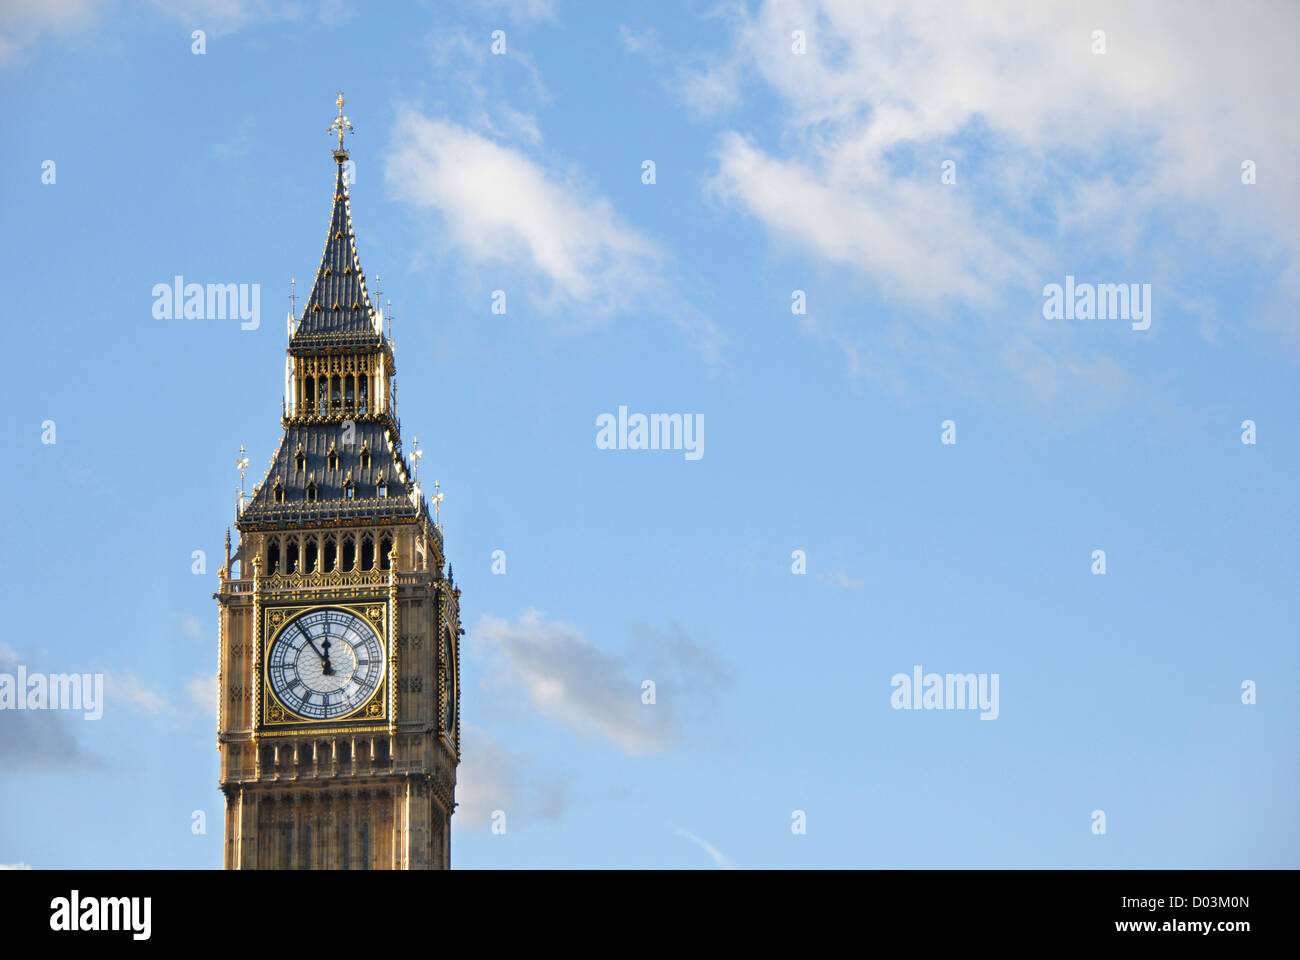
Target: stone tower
338,725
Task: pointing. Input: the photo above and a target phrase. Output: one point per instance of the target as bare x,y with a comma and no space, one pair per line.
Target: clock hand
328,669
316,650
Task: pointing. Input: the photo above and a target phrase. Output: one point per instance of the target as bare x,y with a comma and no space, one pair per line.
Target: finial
339,124
437,499
242,464
416,454
293,298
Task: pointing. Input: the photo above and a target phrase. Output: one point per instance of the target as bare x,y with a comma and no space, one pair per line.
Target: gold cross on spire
340,123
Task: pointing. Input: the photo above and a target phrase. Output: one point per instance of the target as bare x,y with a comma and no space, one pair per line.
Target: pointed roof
310,475
338,312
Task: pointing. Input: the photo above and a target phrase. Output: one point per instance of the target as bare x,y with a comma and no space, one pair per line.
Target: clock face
325,664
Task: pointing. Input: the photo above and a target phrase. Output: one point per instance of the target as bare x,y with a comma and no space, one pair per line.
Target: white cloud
15,866
498,205
566,677
921,241
1061,154
495,205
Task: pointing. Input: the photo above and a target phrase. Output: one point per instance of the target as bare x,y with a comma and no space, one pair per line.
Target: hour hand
328,669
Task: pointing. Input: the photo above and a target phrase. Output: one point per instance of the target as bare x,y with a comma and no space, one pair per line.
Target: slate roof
315,442
338,312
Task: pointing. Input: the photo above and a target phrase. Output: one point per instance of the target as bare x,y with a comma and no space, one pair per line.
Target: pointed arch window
279,492
348,490
300,460
311,492
381,488
333,459
365,451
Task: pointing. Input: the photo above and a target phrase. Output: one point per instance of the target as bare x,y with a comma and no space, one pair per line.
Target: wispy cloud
596,693
498,205
24,22
40,740
222,17
491,778
131,691
841,579
522,11
202,692
1062,158
708,848
191,628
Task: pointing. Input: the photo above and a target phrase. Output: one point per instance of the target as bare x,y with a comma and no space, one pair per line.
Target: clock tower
338,724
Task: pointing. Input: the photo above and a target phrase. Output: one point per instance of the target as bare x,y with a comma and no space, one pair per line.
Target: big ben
338,726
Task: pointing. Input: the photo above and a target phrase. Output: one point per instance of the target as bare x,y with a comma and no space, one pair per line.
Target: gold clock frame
276,717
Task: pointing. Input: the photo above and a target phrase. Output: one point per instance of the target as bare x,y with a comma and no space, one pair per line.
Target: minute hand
315,649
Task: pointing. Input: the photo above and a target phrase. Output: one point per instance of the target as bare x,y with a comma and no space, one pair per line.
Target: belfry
338,725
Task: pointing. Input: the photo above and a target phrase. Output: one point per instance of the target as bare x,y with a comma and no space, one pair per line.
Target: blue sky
775,171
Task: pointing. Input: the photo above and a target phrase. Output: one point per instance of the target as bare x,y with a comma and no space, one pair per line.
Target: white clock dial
325,664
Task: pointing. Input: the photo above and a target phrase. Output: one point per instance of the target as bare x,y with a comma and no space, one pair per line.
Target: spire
340,123
340,369
338,311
